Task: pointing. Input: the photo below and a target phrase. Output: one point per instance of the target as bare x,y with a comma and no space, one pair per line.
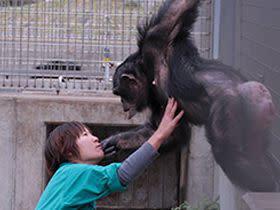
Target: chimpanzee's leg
239,148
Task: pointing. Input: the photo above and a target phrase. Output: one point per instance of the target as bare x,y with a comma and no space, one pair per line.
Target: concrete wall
259,49
23,133
23,123
202,179
249,42
230,196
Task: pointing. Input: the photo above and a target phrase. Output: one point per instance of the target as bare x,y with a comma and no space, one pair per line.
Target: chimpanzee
237,113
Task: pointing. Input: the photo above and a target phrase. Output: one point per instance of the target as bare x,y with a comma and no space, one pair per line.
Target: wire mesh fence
75,44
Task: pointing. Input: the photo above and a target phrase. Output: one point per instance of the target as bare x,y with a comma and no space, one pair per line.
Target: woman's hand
167,125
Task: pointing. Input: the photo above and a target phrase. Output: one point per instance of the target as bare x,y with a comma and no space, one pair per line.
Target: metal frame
74,44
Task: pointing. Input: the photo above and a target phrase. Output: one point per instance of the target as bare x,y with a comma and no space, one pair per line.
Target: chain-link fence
75,44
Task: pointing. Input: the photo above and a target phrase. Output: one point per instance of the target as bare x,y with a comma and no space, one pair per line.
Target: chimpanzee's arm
156,43
166,25
131,139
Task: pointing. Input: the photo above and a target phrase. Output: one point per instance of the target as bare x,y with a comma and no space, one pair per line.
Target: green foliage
203,205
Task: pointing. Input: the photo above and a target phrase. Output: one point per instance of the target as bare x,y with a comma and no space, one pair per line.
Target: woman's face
89,148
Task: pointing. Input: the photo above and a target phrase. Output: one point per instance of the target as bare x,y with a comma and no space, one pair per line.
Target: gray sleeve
136,163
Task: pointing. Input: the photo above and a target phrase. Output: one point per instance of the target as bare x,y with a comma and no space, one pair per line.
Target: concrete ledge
23,132
262,201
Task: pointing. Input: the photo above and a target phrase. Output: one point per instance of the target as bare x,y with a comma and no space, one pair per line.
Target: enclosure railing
75,44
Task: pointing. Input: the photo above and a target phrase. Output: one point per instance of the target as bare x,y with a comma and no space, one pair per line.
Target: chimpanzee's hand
109,147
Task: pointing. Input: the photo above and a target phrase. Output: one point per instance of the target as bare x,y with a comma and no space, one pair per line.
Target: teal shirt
78,186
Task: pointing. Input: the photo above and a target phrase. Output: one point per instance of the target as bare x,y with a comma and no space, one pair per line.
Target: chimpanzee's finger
109,149
106,143
110,155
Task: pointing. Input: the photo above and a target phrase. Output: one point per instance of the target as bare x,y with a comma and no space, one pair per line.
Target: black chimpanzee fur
237,114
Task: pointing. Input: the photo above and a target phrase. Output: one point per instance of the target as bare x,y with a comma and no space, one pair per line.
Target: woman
72,154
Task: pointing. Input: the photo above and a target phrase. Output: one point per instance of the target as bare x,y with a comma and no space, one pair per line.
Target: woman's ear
70,157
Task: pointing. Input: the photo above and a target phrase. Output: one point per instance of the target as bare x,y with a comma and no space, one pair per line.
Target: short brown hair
61,145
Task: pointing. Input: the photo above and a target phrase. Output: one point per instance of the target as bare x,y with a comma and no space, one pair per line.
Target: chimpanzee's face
130,83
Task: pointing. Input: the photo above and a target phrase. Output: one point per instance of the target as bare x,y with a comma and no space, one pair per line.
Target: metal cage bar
75,44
